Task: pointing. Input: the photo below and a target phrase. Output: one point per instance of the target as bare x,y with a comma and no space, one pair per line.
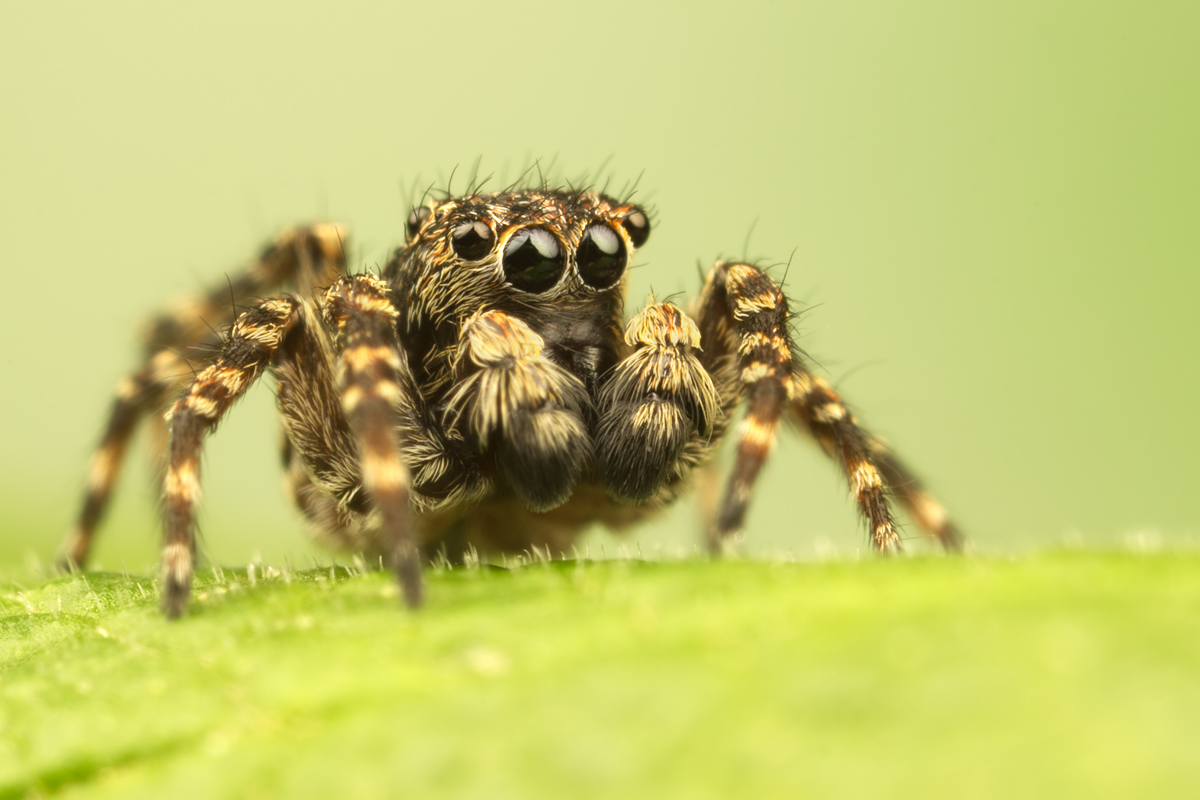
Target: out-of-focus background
989,208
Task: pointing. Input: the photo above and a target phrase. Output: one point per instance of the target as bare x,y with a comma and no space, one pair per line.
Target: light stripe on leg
136,395
247,352
822,411
369,375
303,258
756,321
921,506
307,257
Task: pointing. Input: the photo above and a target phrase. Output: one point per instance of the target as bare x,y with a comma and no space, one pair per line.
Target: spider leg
307,257
352,413
813,407
330,521
370,367
137,394
515,402
319,453
248,350
744,320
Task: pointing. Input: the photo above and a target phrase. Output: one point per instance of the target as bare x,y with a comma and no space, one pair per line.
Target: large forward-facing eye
601,257
472,240
637,225
533,260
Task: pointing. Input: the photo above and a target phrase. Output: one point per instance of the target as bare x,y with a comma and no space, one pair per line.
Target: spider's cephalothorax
484,391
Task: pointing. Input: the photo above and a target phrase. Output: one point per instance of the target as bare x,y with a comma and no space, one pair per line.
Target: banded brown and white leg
511,400
141,393
921,506
744,320
302,258
657,401
370,369
248,350
305,257
820,409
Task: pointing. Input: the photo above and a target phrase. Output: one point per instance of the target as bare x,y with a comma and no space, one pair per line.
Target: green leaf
1067,674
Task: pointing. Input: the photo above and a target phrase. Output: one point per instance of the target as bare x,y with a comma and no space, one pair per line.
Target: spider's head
534,244
557,259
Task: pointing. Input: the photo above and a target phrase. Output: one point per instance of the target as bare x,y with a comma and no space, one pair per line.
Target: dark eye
637,226
416,219
472,240
601,257
533,260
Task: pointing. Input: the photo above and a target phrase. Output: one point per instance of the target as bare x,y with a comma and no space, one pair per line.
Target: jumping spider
483,392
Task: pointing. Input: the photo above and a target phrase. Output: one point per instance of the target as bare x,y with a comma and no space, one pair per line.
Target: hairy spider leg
822,411
137,394
367,378
246,354
307,257
369,370
743,311
329,520
921,506
318,449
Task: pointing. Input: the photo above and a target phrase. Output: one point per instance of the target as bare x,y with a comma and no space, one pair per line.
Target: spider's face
532,245
557,260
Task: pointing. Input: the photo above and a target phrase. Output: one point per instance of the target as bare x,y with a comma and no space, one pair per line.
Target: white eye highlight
542,240
605,239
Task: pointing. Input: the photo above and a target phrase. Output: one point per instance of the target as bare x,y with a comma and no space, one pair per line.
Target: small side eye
533,260
601,257
637,226
472,240
416,219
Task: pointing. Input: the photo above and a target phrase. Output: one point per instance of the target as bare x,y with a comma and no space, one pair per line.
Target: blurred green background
990,207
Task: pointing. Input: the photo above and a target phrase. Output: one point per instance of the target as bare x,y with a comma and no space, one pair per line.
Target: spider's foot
951,538
886,539
723,544
73,555
408,574
177,579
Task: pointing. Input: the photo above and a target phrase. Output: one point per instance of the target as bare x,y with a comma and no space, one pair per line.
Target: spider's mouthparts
581,359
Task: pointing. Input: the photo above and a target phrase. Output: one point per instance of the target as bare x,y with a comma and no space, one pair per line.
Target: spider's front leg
370,371
368,380
745,325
